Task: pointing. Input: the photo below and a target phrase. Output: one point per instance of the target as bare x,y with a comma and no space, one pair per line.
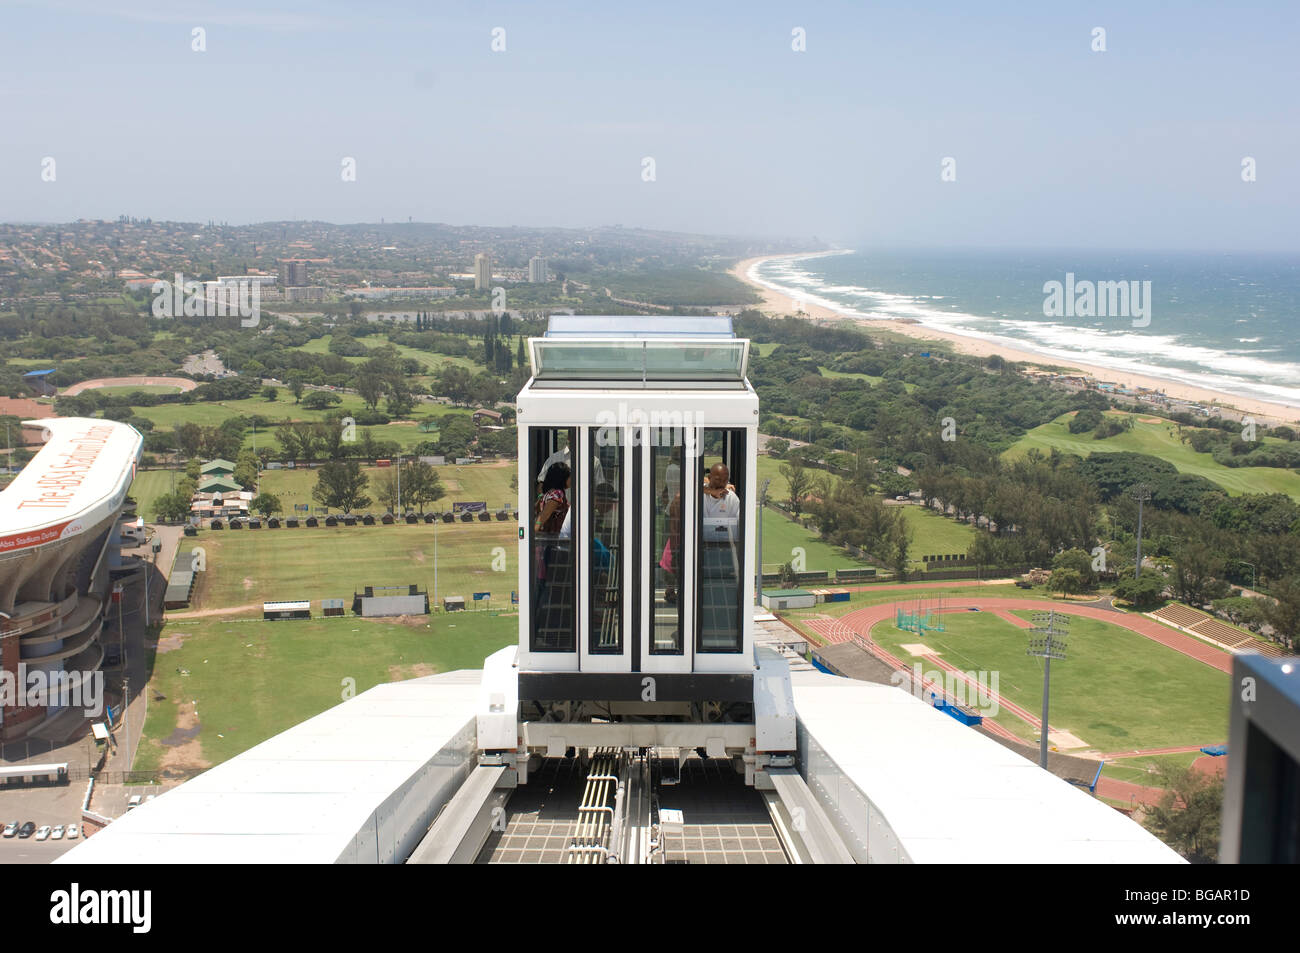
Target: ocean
1229,322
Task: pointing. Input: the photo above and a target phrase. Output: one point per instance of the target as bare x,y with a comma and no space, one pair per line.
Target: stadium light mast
1051,646
1141,492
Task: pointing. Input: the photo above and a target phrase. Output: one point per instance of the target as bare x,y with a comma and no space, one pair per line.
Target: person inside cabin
553,558
565,455
720,499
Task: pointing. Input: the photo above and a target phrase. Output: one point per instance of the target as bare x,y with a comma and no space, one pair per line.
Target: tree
296,385
1080,562
1143,593
246,469
194,469
172,507
266,504
776,446
271,392
797,476
1189,816
340,485
1198,574
289,443
1283,613
1066,581
189,437
321,400
387,489
370,384
421,484
1085,420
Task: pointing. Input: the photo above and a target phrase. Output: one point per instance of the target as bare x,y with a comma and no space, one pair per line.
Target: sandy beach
778,303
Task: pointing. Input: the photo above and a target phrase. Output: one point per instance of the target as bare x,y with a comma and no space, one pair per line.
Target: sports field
479,482
1115,690
1159,440
221,686
248,567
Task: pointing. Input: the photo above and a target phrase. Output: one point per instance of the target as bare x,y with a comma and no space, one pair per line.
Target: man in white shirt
719,499
565,455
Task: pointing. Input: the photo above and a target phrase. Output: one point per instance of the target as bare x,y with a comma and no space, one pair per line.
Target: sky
1053,143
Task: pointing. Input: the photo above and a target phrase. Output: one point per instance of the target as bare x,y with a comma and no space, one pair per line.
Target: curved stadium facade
58,552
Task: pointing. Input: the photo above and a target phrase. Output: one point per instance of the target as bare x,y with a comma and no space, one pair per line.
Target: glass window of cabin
666,468
721,481
553,527
607,520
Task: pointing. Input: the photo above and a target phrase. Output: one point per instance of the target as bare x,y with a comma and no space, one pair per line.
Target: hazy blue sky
1139,146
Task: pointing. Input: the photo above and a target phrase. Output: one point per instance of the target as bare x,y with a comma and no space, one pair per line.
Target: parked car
27,830
57,833
11,829
134,802
73,832
43,832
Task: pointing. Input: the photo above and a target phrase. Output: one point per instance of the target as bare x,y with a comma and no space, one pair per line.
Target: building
218,467
307,293
379,294
39,382
293,272
482,271
537,270
59,556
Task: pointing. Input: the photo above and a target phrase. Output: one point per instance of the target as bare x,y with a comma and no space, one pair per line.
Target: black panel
628,687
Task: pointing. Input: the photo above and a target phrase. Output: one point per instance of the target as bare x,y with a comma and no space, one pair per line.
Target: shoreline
780,303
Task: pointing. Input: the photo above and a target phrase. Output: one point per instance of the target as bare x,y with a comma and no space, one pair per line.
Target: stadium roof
952,795
78,478
320,792
39,373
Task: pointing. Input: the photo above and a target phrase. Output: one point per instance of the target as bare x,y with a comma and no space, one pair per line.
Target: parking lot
53,805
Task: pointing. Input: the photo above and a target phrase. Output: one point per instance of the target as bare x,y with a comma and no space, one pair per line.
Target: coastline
779,303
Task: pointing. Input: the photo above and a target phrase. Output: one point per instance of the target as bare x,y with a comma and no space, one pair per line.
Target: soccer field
248,567
1115,690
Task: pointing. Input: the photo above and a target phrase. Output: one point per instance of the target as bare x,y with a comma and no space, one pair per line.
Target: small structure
378,601
331,607
453,603
788,599
219,483
272,611
218,467
39,382
180,584
485,416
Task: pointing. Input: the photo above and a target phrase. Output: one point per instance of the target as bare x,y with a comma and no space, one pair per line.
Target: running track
861,622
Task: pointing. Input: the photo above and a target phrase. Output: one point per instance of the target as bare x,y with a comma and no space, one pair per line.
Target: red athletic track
861,622
858,625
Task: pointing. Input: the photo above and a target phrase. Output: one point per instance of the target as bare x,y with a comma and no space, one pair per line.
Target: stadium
58,560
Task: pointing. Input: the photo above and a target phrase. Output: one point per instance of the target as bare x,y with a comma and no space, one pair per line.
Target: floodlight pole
1141,493
1047,648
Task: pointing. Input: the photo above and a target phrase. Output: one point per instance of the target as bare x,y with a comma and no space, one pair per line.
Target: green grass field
1115,690
1138,770
936,535
139,388
250,680
781,536
248,567
1159,440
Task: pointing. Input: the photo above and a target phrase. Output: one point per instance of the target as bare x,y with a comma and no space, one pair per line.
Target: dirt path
206,613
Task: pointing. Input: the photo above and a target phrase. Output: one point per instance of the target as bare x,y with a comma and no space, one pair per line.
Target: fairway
1115,690
249,680
248,567
1159,440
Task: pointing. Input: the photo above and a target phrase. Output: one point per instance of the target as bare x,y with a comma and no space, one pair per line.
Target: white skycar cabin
637,462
